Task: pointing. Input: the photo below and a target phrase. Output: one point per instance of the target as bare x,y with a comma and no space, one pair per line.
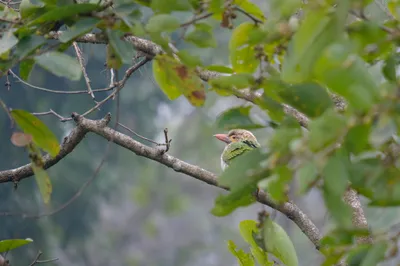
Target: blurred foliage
334,61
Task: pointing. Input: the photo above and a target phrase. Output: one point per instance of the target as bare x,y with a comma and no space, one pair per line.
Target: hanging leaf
60,64
175,78
122,49
43,182
248,230
25,68
41,134
10,244
244,259
80,27
202,36
28,44
250,8
243,55
278,243
238,117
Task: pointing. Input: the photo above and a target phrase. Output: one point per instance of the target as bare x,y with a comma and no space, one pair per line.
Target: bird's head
239,135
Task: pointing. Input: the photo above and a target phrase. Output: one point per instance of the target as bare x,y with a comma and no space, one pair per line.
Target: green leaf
238,81
278,183
162,23
326,129
336,180
220,69
244,259
188,59
274,108
241,54
113,60
238,177
43,182
80,27
168,6
389,68
10,244
65,12
248,229
123,49
28,44
238,117
376,254
7,41
307,175
348,76
309,98
278,243
202,36
357,138
25,68
60,65
174,77
282,9
42,136
250,8
317,31
161,77
27,9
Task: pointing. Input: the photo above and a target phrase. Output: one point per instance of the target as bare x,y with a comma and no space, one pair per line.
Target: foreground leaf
243,258
10,244
278,243
60,64
238,117
41,134
175,79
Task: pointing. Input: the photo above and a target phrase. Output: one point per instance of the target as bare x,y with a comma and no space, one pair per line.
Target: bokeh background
136,212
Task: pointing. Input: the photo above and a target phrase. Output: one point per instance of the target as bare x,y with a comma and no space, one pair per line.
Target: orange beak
223,137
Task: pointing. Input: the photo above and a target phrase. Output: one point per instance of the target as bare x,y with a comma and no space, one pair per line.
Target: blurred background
136,212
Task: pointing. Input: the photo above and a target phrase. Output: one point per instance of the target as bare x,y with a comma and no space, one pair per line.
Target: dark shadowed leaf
25,68
202,36
162,23
356,140
60,64
307,175
28,44
278,243
10,244
80,27
309,98
41,134
122,49
238,117
326,129
64,12
336,180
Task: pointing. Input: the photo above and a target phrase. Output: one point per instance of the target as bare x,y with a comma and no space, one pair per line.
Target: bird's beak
223,137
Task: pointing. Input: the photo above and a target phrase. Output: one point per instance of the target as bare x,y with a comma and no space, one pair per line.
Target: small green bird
238,142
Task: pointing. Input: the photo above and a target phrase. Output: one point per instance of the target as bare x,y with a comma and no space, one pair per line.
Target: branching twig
37,261
85,75
167,140
256,20
140,136
51,112
55,91
195,19
85,125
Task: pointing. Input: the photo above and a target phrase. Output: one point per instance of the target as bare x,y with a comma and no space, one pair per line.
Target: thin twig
55,91
82,63
119,85
192,21
51,112
167,140
37,261
256,20
140,136
4,106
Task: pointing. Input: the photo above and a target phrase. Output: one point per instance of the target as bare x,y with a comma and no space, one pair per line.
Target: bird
238,142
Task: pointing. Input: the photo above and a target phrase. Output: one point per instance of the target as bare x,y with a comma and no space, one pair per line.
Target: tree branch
84,125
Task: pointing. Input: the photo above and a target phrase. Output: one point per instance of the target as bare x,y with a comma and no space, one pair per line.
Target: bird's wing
233,150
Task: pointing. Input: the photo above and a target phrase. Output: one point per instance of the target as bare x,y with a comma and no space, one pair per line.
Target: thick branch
99,127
